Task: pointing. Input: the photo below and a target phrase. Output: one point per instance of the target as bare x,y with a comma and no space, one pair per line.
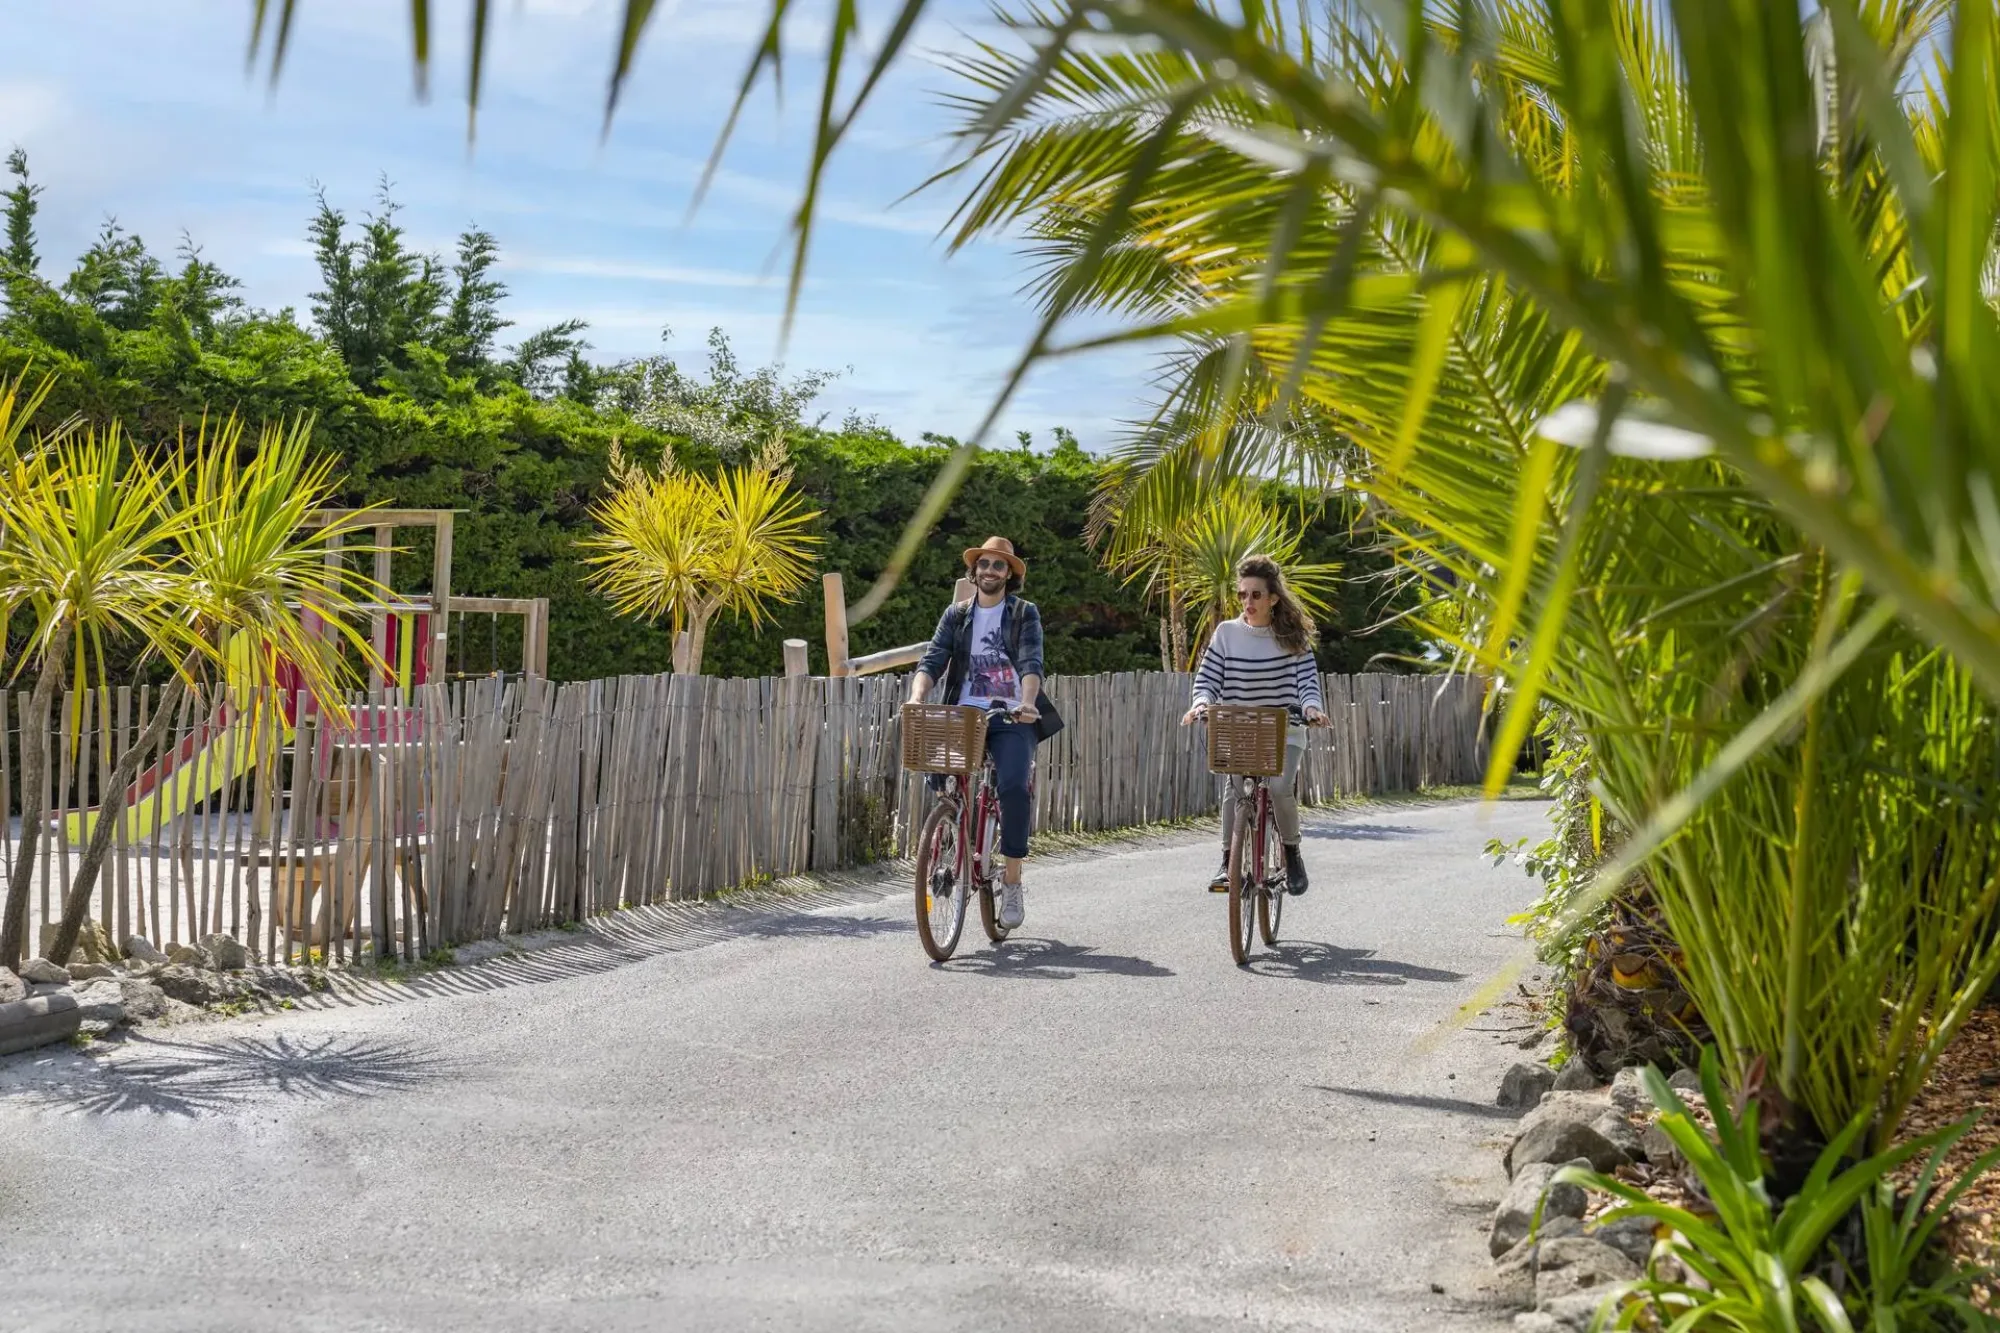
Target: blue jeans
1011,747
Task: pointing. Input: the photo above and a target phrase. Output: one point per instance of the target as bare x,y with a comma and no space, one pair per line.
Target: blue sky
143,110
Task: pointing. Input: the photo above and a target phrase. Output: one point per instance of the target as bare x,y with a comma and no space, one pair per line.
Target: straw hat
1001,547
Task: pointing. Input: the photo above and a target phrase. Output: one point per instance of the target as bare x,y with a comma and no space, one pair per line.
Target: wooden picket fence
511,804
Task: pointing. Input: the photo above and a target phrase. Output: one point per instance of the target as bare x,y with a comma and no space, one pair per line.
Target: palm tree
244,555
1188,561
679,544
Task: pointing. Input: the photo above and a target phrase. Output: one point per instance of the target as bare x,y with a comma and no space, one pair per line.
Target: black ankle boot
1220,884
1295,870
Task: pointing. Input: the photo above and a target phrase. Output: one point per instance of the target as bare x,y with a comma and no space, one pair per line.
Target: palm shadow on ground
1050,960
1330,965
1421,1102
193,1079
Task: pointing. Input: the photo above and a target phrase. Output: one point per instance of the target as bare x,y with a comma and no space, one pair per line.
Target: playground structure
409,637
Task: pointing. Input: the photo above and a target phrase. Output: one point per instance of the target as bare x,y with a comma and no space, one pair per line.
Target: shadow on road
1308,960
1453,1105
1050,960
1360,832
209,1078
811,926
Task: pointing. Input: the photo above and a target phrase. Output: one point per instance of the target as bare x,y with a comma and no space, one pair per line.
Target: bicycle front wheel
1242,886
940,896
1270,877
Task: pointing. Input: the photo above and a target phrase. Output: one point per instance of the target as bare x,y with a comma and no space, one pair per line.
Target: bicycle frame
1256,791
976,855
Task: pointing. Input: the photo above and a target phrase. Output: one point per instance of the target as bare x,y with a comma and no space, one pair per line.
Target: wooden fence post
795,657
835,592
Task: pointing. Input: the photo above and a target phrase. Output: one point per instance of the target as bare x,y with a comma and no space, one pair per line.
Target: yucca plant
242,549
679,544
87,519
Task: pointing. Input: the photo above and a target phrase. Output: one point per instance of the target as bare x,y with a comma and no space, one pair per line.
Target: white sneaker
1012,910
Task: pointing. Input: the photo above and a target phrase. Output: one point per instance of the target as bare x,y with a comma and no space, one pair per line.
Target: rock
141,949
226,954
1632,1237
11,987
1521,1259
1572,1265
1686,1082
92,944
277,985
102,1005
1658,1146
1530,1191
1579,1108
37,1021
1523,1086
1618,1132
42,972
1575,1313
191,955
1575,1077
91,971
1628,1094
1561,1141
144,1002
191,985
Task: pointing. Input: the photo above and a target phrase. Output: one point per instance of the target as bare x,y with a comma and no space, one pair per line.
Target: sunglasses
1255,595
997,566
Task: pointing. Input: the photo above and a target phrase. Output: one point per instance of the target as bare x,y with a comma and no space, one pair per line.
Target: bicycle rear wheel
990,873
1242,870
1271,877
940,896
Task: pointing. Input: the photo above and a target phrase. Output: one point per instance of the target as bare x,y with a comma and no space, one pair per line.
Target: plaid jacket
950,652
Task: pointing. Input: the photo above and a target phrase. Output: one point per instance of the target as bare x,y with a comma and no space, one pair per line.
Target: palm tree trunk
37,740
110,810
1166,647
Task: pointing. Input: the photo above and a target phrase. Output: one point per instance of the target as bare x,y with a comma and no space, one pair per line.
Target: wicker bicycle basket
943,738
1247,742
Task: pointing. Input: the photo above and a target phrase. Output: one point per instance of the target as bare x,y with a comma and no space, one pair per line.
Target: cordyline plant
686,546
216,542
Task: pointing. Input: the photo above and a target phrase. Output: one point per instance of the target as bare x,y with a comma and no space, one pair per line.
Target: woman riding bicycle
1264,659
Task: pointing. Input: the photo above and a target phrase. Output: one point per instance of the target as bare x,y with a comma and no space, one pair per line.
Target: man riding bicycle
989,651
1264,659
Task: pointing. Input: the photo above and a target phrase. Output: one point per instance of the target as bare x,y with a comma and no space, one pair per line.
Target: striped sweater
1244,665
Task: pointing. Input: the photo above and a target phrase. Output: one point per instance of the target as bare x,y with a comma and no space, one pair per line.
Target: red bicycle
1247,745
958,844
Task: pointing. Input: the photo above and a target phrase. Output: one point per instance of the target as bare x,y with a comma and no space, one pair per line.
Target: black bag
1050,721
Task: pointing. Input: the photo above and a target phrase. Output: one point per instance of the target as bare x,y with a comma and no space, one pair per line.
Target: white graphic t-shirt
990,675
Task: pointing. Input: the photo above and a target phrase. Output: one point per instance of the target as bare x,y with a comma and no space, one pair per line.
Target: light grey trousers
1284,794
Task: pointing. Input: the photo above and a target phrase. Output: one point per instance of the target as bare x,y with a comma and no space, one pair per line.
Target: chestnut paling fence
510,803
